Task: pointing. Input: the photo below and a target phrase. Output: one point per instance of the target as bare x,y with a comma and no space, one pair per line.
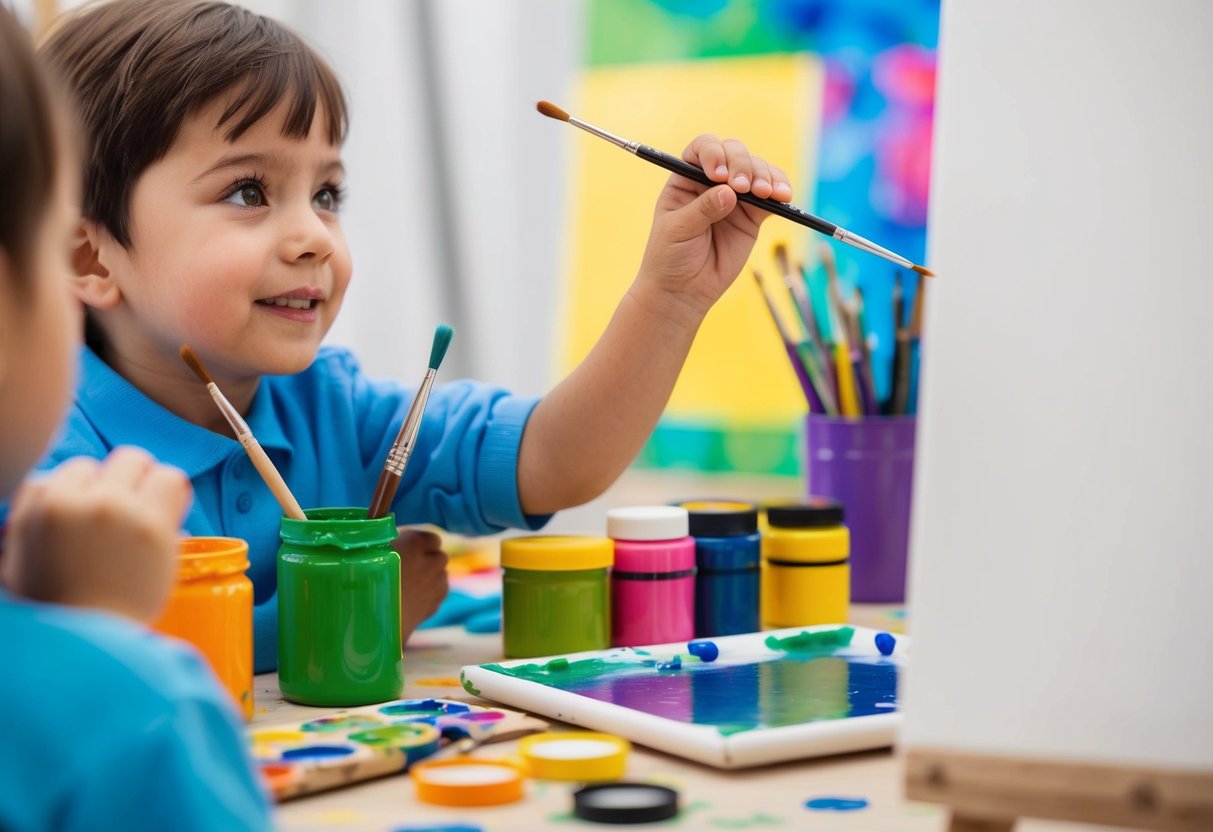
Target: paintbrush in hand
290,506
695,174
402,448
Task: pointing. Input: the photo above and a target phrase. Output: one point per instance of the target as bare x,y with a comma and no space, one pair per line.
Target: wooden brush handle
273,479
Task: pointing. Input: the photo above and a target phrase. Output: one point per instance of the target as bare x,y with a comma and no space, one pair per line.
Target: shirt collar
123,415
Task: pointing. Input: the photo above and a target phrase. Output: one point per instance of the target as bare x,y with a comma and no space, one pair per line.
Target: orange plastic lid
203,557
468,782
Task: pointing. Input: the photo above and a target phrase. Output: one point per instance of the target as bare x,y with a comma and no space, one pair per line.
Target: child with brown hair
106,724
212,218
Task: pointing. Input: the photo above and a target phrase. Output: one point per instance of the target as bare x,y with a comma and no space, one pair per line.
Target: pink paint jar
653,581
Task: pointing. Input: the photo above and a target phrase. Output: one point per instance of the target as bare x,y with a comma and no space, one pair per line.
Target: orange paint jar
212,608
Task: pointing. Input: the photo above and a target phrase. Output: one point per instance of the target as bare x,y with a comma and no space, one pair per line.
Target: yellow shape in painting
737,373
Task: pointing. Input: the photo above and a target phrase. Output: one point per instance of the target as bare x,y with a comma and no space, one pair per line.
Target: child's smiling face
236,249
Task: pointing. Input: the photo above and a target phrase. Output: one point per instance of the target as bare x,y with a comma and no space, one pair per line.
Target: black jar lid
815,512
625,803
721,517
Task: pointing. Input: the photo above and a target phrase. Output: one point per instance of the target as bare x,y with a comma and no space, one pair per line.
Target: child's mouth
290,303
298,310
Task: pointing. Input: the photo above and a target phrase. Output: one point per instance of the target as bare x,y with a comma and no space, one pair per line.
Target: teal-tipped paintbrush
398,456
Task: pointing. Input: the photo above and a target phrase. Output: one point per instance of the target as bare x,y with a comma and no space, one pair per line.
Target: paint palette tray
766,697
348,746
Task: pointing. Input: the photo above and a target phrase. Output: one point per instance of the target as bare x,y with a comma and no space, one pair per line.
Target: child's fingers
763,185
170,490
741,169
126,467
780,184
696,216
708,152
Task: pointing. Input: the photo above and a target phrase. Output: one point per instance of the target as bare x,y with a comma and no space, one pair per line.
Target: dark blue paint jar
728,556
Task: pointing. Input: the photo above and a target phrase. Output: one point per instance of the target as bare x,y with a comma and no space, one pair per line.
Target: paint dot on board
317,752
836,804
885,643
706,650
673,664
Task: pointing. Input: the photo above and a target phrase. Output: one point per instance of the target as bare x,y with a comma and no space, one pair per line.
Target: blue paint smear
836,804
768,693
317,752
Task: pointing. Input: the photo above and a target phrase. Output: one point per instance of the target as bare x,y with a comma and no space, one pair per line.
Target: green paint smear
563,671
820,641
467,685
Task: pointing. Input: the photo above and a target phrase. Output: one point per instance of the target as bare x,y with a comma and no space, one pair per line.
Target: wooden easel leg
970,823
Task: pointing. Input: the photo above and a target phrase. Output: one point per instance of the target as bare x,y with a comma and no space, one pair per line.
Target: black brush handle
783,209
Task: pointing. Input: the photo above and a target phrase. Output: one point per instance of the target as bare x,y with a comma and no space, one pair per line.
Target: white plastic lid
648,523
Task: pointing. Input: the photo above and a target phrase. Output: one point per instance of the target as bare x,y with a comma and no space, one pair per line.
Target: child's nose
306,237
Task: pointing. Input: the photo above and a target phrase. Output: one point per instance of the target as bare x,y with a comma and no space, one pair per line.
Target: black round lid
625,803
721,517
815,512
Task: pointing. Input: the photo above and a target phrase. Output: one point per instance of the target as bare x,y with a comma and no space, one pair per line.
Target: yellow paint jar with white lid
806,576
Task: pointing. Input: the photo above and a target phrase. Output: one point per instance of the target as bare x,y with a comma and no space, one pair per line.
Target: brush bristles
195,364
442,340
922,270
551,110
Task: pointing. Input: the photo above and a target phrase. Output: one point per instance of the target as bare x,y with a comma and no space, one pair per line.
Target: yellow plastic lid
557,553
575,755
807,545
467,782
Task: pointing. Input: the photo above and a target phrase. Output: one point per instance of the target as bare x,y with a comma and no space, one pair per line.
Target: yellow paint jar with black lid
806,575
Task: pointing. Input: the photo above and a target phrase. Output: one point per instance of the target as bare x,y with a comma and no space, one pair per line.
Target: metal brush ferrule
618,141
397,461
862,244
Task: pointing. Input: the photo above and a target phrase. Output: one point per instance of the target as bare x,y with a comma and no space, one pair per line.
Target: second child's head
39,188
212,186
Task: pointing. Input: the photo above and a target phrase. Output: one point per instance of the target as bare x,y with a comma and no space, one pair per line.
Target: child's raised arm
591,425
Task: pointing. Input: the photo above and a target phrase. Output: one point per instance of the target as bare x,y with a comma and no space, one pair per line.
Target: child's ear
91,281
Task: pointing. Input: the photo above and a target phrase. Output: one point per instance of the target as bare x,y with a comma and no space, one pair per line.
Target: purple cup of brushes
868,466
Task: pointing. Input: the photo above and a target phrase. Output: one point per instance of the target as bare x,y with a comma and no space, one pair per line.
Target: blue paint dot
885,644
706,650
673,664
836,804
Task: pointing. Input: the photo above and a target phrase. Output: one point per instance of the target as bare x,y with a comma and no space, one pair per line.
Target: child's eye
328,198
247,194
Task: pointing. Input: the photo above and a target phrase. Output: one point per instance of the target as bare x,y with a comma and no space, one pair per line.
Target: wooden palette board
352,745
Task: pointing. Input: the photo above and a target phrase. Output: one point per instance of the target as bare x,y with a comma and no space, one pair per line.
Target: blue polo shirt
109,726
328,430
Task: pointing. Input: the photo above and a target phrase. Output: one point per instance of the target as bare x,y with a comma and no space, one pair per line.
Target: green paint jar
555,595
339,609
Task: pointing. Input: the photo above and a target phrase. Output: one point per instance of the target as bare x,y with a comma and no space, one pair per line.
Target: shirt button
244,503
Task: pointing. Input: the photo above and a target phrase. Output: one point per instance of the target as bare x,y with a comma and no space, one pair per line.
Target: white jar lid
648,523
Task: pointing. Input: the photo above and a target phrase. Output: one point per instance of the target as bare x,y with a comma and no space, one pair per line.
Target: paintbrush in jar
402,448
277,485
